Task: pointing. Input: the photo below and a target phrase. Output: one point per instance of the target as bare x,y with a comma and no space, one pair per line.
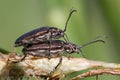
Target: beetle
56,49
42,34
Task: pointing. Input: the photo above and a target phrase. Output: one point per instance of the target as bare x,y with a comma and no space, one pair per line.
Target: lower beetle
56,49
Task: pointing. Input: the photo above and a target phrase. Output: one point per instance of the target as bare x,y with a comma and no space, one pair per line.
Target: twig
97,72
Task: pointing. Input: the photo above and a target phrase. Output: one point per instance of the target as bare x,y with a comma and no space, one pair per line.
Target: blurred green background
93,18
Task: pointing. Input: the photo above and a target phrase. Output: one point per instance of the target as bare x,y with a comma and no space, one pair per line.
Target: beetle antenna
71,11
82,53
93,41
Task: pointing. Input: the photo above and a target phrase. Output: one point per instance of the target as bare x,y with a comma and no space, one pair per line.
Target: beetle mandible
42,34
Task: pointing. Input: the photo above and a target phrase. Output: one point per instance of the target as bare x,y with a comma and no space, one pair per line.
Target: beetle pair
42,37
42,34
39,42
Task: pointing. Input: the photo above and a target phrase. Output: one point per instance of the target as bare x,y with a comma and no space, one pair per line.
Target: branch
97,72
39,67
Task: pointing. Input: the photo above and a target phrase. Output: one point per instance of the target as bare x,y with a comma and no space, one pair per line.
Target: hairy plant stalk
37,67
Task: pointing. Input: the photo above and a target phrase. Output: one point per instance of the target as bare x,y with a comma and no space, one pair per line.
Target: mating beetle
42,34
56,48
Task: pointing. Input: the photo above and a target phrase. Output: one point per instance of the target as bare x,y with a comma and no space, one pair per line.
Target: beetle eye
59,33
75,48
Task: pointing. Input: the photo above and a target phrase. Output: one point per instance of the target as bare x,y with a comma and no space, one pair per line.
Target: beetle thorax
56,33
71,48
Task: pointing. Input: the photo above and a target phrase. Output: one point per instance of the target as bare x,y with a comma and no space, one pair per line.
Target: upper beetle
42,34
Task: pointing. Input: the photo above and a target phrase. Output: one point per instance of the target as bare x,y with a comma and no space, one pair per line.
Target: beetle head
56,33
75,48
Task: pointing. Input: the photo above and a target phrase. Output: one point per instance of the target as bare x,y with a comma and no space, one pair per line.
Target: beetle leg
68,55
48,54
60,61
23,56
14,51
66,38
49,47
57,67
50,40
48,36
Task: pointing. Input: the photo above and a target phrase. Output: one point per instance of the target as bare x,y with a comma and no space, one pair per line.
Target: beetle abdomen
36,32
29,36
